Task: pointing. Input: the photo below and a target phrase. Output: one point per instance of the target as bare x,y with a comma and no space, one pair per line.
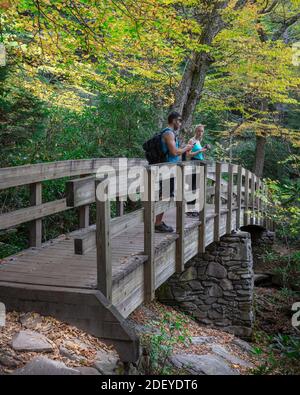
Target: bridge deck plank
55,263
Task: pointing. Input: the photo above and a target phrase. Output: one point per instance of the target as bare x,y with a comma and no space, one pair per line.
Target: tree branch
285,25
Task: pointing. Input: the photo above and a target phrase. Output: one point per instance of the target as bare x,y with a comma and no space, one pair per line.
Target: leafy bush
283,207
289,271
282,355
171,331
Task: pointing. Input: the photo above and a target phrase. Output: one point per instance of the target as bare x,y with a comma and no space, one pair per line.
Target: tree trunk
258,168
191,86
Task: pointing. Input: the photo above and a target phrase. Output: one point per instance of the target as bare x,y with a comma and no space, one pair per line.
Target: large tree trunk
191,86
258,168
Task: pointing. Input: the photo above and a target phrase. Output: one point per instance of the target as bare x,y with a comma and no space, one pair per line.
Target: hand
189,147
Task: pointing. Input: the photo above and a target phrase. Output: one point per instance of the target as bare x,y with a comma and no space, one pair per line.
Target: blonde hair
199,126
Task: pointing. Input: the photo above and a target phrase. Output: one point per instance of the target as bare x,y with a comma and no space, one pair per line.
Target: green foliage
281,356
171,331
289,271
283,207
104,131
22,115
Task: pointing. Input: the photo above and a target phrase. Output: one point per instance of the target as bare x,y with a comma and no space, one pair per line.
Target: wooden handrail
80,192
223,192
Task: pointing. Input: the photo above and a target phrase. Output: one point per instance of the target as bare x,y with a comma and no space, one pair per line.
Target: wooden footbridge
96,276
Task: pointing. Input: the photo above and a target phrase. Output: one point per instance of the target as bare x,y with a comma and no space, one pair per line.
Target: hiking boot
163,228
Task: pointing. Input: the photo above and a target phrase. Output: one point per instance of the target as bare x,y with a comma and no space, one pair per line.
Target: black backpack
153,149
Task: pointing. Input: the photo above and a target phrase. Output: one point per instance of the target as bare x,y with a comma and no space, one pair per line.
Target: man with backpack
164,147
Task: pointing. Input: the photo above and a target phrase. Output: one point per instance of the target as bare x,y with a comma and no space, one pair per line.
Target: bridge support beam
216,287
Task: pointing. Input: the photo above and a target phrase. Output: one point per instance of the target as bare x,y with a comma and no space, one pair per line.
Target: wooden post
252,220
229,199
35,227
84,217
259,213
149,234
180,216
217,202
103,244
202,216
119,207
264,207
246,215
84,213
239,197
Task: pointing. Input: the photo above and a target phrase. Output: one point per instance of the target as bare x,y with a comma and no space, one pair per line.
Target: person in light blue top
197,152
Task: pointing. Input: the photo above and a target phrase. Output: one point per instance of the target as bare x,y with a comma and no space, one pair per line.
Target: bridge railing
232,191
222,189
33,177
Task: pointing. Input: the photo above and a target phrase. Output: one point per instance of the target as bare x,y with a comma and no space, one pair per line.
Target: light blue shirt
196,148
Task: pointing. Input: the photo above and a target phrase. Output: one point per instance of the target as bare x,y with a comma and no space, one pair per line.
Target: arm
192,154
171,144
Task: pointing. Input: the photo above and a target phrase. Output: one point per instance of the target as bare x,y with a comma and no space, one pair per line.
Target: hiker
197,153
172,151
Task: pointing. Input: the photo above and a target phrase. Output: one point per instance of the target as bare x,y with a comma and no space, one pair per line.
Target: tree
253,79
209,16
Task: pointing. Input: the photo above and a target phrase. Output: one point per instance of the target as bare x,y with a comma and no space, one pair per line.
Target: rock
203,339
213,314
195,285
31,320
75,343
226,285
8,360
141,329
106,363
45,366
87,371
202,364
240,331
223,353
65,352
244,346
215,291
164,292
199,315
31,341
189,274
216,270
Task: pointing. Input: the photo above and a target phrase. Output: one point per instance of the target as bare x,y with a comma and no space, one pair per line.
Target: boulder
106,363
216,270
31,341
39,366
88,371
229,357
202,364
31,320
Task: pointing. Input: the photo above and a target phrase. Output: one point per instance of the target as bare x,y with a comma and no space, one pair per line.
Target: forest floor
274,336
168,336
73,349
